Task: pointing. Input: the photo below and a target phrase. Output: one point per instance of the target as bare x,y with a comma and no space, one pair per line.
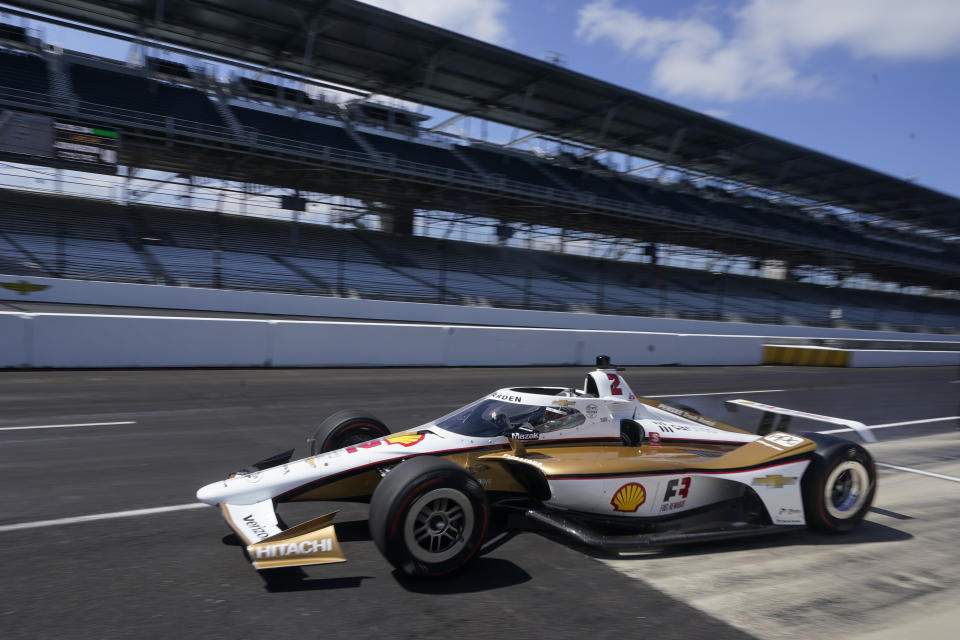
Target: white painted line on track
918,471
101,516
65,426
717,393
894,424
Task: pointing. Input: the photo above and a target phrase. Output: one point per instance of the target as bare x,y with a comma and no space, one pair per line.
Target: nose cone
212,493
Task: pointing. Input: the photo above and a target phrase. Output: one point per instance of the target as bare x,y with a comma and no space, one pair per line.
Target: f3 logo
677,487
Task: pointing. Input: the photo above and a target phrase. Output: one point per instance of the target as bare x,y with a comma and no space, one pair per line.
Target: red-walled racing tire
838,486
344,428
429,517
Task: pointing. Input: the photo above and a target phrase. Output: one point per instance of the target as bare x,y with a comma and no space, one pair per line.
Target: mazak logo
255,527
523,435
285,549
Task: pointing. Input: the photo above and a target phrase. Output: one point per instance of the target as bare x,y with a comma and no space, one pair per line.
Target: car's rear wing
769,422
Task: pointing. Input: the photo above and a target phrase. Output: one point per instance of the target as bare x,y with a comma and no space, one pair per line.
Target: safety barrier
27,289
802,355
75,340
833,357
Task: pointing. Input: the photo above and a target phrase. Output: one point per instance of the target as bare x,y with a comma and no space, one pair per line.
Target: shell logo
407,439
629,497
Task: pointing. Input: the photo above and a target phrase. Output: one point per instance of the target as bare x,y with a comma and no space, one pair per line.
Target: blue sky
875,82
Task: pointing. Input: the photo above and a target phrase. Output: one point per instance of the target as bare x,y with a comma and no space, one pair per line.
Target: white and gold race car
597,466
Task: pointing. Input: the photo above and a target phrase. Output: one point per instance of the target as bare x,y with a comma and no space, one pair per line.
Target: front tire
345,428
838,486
429,517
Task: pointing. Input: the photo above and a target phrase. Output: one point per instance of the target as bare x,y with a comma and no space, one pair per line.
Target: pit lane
177,573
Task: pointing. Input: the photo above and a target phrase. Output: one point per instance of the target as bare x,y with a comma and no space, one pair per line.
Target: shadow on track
890,514
295,579
868,532
484,574
232,540
353,531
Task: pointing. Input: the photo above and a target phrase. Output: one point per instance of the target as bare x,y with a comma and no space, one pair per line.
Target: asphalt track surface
180,574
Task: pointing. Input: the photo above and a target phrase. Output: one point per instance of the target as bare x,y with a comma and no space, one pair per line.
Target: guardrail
870,344
100,341
51,340
155,296
805,355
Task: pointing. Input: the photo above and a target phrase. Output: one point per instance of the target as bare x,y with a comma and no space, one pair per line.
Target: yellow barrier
811,356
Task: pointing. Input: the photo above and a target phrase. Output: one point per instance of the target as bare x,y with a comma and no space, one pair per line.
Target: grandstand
363,198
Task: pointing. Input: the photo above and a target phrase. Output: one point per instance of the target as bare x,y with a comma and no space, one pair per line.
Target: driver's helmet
532,418
500,419
507,419
535,417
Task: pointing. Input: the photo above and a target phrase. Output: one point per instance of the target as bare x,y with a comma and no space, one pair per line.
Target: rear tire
429,517
345,428
838,486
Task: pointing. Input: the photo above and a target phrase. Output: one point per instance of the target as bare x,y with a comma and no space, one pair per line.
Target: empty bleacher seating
298,129
168,68
138,93
83,238
508,166
416,152
23,72
258,253
269,91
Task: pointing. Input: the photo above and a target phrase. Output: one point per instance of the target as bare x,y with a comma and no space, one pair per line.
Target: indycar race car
598,466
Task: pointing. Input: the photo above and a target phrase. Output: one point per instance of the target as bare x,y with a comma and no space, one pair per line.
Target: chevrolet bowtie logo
774,481
23,287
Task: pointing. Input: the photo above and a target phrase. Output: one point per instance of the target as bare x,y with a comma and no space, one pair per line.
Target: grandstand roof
354,44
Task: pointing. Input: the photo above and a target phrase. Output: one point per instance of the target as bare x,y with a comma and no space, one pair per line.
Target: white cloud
887,29
763,51
720,114
481,19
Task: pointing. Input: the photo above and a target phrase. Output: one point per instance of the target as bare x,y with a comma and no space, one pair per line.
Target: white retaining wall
77,340
165,297
74,340
881,358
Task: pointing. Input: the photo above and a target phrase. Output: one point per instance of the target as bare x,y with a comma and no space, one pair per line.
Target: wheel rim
846,489
437,525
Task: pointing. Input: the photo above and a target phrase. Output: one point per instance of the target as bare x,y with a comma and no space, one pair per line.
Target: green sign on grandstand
95,131
93,147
